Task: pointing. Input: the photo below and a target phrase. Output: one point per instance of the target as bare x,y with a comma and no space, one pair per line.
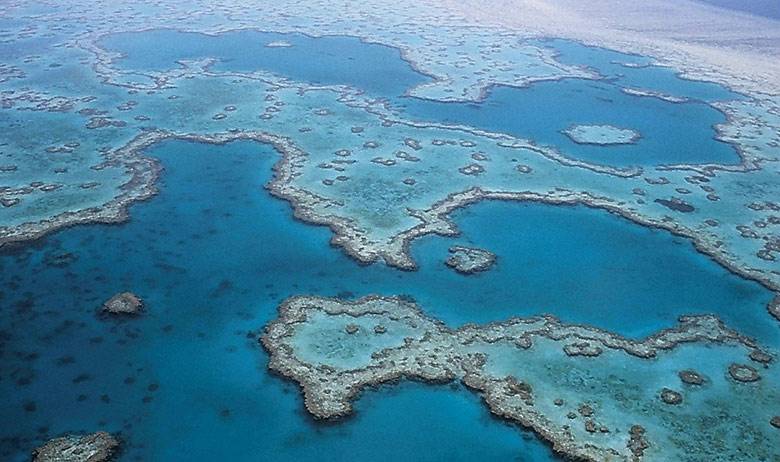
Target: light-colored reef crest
697,391
774,307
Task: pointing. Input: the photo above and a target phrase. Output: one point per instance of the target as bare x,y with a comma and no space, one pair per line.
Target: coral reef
94,447
125,303
469,260
582,389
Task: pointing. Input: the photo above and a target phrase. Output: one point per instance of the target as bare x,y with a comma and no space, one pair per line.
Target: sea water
671,133
213,255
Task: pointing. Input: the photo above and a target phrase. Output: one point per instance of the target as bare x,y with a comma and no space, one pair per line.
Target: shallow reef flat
470,260
378,180
697,391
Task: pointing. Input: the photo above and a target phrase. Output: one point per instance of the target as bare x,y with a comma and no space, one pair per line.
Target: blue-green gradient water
213,254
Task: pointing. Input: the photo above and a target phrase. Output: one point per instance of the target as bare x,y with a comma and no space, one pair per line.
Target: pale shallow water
671,133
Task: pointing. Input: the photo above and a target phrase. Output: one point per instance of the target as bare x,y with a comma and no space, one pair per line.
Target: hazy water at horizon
765,8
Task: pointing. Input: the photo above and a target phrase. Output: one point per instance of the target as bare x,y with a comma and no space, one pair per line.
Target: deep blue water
671,133
589,266
214,254
767,8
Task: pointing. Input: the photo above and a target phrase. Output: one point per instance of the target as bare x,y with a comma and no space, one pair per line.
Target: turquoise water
329,60
671,132
610,64
588,266
214,254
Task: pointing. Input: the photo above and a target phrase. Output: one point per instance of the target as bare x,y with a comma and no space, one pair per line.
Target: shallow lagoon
329,60
214,254
671,133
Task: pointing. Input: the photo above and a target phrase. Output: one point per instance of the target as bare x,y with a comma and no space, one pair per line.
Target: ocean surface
214,254
329,60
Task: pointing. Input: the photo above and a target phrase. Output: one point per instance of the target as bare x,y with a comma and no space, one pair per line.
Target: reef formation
93,447
469,260
601,135
774,307
125,303
75,153
592,394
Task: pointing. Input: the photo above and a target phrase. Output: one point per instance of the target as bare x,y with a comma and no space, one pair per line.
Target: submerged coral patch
601,135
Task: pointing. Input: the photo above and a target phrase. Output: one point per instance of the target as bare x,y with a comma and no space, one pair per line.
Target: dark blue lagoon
214,254
588,266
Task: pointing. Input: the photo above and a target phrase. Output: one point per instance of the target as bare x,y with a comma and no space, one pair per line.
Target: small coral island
469,260
94,447
601,135
125,303
592,394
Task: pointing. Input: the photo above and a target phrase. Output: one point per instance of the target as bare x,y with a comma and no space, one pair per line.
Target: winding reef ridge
593,395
